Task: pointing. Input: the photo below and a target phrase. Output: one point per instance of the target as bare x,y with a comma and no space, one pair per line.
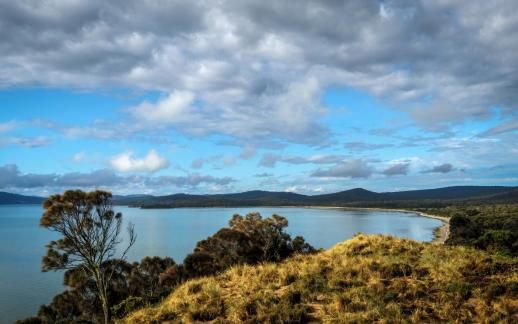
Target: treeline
489,227
248,240
388,204
429,198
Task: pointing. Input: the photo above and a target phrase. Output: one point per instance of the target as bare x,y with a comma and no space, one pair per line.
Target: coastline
441,233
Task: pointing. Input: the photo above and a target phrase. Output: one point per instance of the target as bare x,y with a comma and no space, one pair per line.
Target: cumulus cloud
443,168
245,69
152,162
396,169
175,108
348,169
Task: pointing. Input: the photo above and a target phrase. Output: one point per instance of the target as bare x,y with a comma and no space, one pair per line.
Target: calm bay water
170,232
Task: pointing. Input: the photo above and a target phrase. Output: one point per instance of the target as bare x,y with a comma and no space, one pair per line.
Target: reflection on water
170,232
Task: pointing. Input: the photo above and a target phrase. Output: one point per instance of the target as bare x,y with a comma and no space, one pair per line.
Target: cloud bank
244,69
12,178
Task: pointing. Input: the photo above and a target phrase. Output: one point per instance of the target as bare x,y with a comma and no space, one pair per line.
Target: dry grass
366,279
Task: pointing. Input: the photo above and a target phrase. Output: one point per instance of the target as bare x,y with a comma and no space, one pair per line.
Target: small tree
90,231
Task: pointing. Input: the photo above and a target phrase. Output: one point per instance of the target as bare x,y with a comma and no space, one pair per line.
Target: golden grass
365,279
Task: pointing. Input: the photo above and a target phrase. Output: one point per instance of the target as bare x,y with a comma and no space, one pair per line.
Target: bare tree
90,231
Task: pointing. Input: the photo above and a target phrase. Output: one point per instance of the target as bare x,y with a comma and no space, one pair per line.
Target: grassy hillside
365,279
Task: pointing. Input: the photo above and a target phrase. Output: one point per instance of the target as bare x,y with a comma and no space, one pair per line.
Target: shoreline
441,233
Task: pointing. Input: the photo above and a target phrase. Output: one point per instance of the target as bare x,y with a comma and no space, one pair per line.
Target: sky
163,97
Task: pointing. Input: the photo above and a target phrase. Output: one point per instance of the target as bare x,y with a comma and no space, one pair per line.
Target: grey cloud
263,175
30,142
216,160
247,152
197,163
397,169
348,169
361,146
248,65
506,127
229,160
96,178
443,168
11,177
270,160
383,131
191,180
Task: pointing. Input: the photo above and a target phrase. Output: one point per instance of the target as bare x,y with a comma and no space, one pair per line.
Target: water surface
170,232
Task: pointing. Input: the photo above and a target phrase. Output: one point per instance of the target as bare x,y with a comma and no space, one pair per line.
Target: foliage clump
248,240
491,227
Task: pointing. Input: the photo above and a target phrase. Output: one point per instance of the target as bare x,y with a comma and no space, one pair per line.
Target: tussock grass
365,279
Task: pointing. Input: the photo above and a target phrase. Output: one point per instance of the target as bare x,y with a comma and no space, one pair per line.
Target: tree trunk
106,311
103,296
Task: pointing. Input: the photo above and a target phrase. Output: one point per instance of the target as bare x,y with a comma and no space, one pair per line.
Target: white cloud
79,157
152,162
175,108
7,126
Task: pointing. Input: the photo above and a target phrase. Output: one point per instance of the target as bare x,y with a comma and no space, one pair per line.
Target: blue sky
231,97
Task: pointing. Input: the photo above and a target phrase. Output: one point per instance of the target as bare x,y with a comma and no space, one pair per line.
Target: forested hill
354,197
13,199
357,197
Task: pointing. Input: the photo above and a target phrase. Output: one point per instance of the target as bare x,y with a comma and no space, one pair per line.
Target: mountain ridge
355,196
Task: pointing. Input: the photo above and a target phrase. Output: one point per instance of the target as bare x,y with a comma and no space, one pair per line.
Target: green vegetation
253,271
491,227
366,279
89,230
248,240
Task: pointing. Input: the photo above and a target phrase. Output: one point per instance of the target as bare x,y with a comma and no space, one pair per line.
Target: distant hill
458,192
357,197
13,199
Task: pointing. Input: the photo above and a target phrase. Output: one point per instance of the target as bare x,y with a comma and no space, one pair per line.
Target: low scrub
492,227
